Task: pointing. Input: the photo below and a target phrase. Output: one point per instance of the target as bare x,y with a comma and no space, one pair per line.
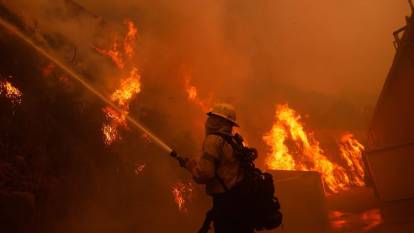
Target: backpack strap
226,138
207,221
221,181
229,139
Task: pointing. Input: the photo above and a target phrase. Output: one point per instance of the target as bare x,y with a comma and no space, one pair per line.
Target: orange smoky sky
334,47
326,59
312,54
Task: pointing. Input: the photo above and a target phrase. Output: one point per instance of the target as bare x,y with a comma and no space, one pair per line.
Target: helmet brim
224,117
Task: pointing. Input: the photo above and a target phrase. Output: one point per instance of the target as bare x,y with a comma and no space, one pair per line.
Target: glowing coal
182,194
11,92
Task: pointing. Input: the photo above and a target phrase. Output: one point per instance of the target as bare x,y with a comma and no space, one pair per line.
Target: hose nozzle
181,160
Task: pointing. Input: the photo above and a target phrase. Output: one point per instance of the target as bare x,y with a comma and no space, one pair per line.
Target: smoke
312,54
327,59
315,56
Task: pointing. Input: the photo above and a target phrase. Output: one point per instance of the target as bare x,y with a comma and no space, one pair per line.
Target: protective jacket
217,161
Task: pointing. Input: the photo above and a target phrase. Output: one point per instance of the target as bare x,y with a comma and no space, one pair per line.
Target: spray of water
82,81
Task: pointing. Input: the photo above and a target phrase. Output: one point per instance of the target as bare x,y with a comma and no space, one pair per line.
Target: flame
139,168
307,154
127,91
10,92
182,194
114,53
129,86
192,93
130,39
351,151
118,53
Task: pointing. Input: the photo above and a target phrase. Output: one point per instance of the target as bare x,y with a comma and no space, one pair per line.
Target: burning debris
292,148
12,93
182,193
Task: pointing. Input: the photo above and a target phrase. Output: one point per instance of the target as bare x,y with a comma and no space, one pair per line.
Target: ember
11,92
182,194
110,129
139,168
307,154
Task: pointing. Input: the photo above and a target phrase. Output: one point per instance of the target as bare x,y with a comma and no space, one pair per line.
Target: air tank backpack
257,187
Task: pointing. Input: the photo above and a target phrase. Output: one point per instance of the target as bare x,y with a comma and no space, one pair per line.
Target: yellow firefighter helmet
226,111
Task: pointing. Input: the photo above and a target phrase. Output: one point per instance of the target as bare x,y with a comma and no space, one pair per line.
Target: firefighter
220,172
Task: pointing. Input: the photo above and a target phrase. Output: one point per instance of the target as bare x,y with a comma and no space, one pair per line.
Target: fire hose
19,34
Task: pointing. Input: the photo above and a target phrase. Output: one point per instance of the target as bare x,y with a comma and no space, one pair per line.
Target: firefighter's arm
203,168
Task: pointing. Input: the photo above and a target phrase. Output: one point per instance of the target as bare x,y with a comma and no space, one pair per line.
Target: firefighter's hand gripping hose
181,160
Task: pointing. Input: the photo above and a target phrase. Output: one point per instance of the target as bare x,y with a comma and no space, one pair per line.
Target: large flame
11,92
182,194
128,89
292,148
130,86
